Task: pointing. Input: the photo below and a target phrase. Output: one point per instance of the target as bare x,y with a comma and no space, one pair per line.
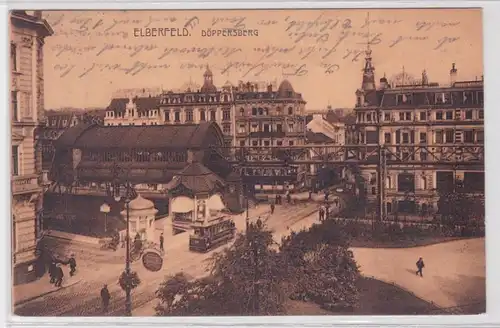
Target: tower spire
369,70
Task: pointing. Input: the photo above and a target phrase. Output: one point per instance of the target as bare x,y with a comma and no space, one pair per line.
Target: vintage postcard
247,162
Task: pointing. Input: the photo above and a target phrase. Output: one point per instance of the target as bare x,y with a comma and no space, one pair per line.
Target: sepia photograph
279,162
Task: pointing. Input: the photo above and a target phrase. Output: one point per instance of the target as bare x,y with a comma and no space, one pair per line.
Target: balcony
25,184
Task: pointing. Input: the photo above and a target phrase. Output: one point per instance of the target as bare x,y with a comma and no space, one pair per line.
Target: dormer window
290,110
404,99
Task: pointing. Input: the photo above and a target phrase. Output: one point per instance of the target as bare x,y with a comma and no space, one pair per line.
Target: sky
321,52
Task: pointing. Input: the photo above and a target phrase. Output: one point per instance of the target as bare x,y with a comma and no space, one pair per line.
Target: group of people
56,272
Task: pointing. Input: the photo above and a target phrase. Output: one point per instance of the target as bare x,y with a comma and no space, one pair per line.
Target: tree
321,268
458,207
246,278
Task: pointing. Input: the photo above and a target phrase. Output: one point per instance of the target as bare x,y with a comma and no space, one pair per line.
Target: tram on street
206,236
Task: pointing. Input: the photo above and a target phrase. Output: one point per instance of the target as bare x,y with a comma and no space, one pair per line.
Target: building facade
28,32
432,134
89,157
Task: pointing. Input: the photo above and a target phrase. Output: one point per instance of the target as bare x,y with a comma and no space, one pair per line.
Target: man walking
321,213
72,265
59,275
420,266
161,241
105,297
272,208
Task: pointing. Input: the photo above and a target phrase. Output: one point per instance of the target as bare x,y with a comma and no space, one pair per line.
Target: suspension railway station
89,159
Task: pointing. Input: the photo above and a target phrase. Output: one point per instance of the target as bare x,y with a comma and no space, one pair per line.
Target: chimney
453,74
269,88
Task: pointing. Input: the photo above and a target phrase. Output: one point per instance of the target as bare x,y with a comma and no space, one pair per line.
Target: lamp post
114,190
105,209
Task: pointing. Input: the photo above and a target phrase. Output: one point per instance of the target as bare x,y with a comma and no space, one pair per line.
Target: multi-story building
248,114
28,32
411,116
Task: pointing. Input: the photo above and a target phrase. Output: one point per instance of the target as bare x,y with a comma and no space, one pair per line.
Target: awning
182,204
215,203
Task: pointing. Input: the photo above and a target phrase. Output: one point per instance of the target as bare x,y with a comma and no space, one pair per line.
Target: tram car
206,236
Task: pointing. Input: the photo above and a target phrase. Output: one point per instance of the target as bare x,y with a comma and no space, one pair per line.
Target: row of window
265,143
131,112
440,115
193,99
445,181
442,98
440,137
189,115
254,127
259,111
135,156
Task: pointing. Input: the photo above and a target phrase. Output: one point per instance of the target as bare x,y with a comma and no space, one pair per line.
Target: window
423,155
290,143
404,99
167,116
254,111
15,108
226,115
439,137
401,116
468,114
481,114
439,115
406,137
468,97
255,143
468,136
202,115
423,116
241,128
387,117
408,116
15,160
242,111
449,115
387,137
279,143
423,137
406,182
226,128
266,143
261,111
449,136
290,127
480,136
177,116
13,56
189,116
368,117
290,111
212,116
242,143
279,128
480,97
254,128
266,128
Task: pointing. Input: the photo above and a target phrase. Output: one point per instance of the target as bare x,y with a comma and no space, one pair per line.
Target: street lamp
105,209
115,189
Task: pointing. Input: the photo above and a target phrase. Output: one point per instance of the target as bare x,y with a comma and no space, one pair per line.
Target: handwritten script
90,44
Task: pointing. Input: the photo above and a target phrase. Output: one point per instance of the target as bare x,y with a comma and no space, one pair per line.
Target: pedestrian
59,275
52,271
327,211
321,213
72,265
310,194
272,208
162,239
336,202
105,297
326,195
288,198
420,266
